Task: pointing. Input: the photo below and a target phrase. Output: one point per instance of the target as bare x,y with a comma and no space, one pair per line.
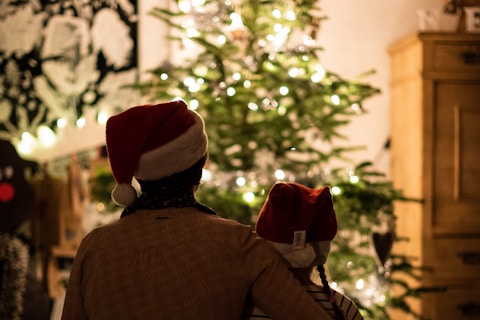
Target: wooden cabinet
435,156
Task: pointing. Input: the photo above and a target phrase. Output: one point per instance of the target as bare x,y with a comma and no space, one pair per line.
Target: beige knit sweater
180,263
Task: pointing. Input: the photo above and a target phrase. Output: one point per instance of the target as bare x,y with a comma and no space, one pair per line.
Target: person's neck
303,275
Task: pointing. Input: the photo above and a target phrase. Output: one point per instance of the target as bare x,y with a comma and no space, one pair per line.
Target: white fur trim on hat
124,194
176,155
312,254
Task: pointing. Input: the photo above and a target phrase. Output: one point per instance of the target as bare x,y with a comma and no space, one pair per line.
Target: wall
355,38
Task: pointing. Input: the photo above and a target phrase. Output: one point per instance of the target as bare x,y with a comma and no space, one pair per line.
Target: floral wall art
64,60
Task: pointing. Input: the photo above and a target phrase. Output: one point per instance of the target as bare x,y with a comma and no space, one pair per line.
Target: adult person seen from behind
300,222
168,256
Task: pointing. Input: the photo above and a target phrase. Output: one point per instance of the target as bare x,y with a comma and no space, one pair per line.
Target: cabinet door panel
457,303
456,260
456,157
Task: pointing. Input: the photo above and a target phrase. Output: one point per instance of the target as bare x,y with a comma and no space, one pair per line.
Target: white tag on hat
299,238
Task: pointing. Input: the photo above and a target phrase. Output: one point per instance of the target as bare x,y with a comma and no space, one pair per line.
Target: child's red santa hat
151,142
300,222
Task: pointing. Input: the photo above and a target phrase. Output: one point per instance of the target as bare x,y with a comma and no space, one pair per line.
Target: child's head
300,222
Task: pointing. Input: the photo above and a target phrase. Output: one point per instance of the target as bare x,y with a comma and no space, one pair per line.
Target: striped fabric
317,293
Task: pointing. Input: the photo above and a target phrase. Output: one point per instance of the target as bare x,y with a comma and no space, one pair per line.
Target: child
300,223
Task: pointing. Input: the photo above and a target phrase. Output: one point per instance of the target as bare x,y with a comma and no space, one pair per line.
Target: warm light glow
237,22
293,72
236,76
192,32
318,75
81,122
231,91
46,136
281,110
194,104
241,181
252,106
335,99
360,284
102,117
206,175
26,144
291,16
354,179
277,27
356,107
164,76
197,3
247,84
276,13
184,6
249,196
284,90
222,39
279,174
336,190
100,206
62,122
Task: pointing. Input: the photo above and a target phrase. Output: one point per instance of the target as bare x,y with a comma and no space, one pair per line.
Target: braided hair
339,313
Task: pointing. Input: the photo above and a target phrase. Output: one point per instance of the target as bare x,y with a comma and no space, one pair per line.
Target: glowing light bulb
335,99
62,122
192,32
277,27
252,106
293,72
164,76
222,39
291,16
276,13
360,284
46,136
284,90
356,107
279,174
27,143
184,6
231,91
249,196
81,122
198,3
336,190
354,179
318,75
241,181
237,22
193,104
206,175
102,117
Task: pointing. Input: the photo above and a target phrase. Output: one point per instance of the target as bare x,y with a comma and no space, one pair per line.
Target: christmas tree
252,69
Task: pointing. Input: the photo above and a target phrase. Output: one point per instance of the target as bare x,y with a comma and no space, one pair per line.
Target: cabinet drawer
457,56
456,260
457,303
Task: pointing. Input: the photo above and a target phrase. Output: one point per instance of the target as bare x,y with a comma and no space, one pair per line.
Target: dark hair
339,313
186,179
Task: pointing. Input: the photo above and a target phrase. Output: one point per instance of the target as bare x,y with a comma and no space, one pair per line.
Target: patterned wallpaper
60,59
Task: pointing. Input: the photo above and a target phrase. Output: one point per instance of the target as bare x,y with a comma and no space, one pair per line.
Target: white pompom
124,194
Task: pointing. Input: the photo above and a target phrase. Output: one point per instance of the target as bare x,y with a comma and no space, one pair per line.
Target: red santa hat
151,142
300,222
